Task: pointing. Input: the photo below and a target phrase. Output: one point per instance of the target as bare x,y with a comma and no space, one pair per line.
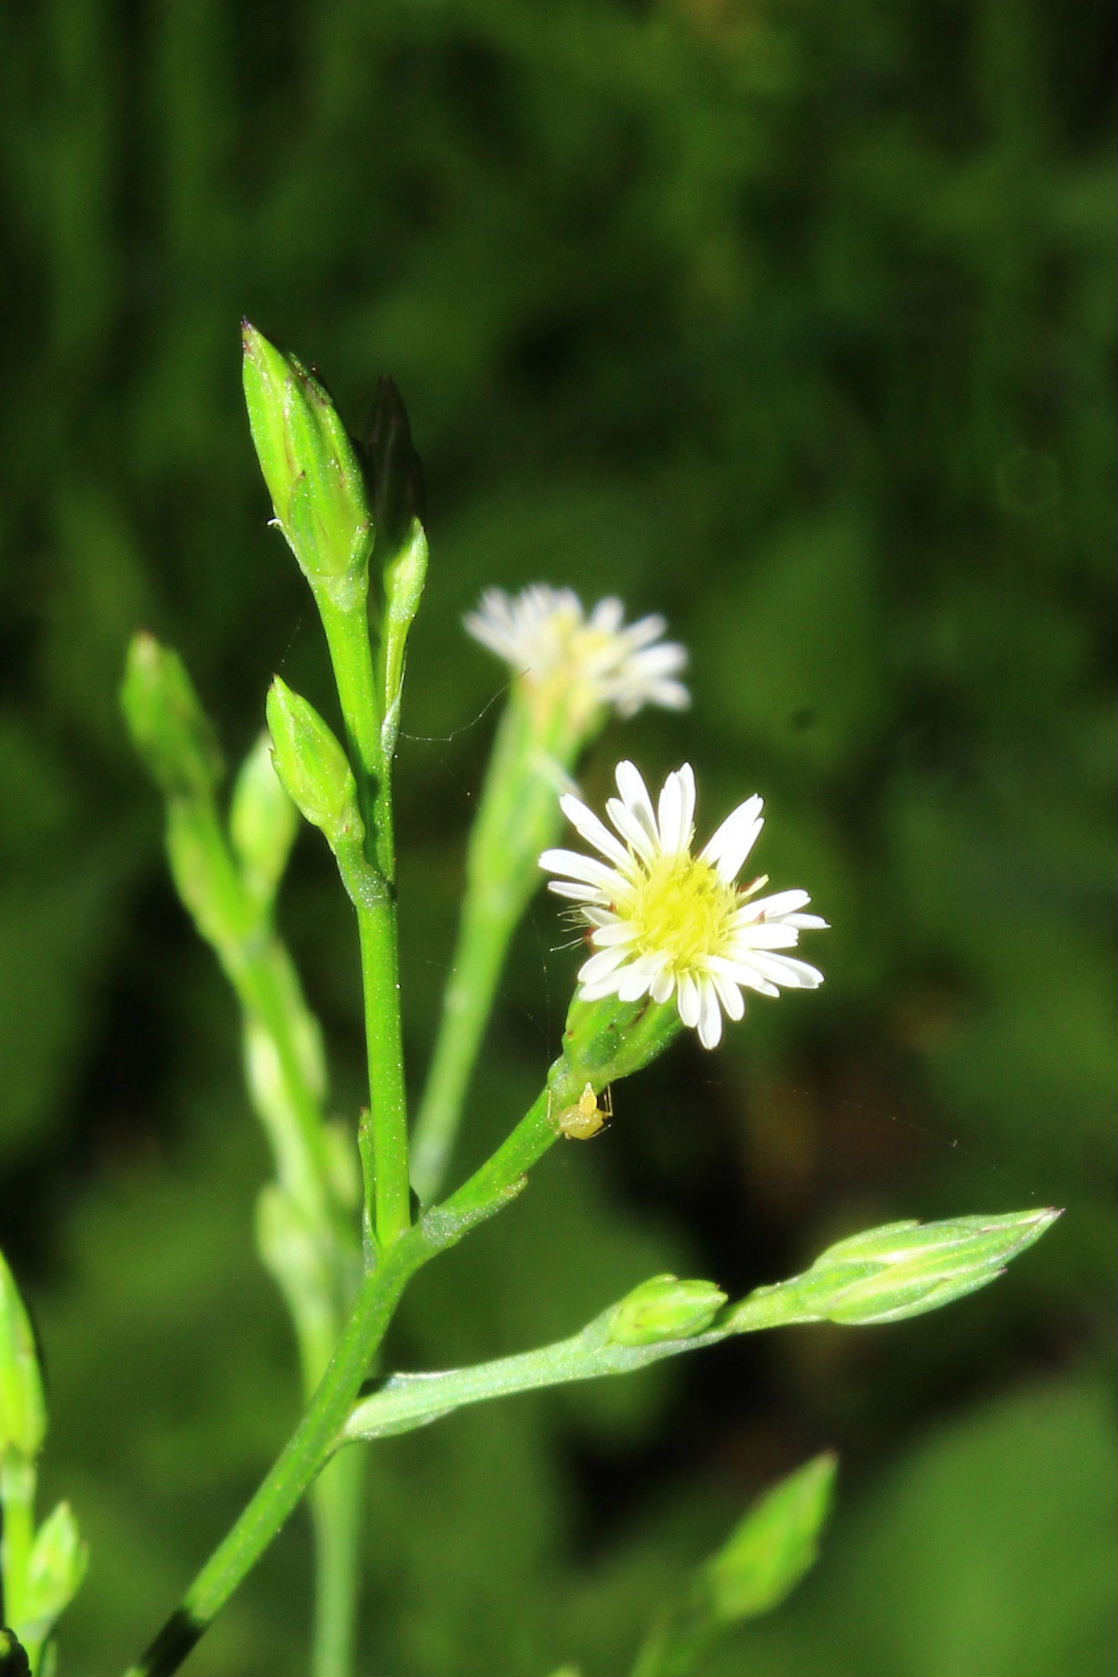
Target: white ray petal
775,907
741,972
644,629
776,934
584,894
632,830
710,1014
601,965
597,992
576,866
634,793
729,995
734,839
688,999
633,981
788,972
595,832
613,934
676,812
596,916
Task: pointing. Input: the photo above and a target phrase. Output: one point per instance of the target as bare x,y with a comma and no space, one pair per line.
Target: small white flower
546,636
668,923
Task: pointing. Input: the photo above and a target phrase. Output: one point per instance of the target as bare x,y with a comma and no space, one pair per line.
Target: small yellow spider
586,1118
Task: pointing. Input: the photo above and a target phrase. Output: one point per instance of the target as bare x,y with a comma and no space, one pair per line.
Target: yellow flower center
683,908
566,680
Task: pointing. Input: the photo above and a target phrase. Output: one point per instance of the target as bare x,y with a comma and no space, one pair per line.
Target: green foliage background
791,320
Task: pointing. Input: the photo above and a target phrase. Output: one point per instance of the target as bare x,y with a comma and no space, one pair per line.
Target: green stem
391,1209
337,1496
298,1464
408,1401
313,1299
517,818
265,982
259,969
351,656
467,1003
315,1438
492,1186
347,634
17,1499
302,1164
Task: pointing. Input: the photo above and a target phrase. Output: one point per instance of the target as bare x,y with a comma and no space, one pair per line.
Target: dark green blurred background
791,320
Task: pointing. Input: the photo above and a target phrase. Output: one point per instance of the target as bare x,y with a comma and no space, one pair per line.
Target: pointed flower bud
404,576
312,766
899,1270
169,728
904,1269
665,1308
58,1562
774,1545
263,823
23,1415
760,1563
313,473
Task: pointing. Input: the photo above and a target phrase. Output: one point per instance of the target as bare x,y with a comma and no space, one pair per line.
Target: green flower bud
404,576
263,823
58,1562
312,766
773,1546
23,1415
665,1308
313,473
906,1268
610,1039
165,718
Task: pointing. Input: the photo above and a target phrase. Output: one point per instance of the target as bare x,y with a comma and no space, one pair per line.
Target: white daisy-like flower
546,636
666,922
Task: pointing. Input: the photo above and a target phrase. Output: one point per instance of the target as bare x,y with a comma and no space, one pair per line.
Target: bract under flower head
547,637
668,923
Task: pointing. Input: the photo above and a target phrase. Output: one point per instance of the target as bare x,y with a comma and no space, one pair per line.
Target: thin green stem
391,1209
302,1165
315,1438
298,1464
351,655
287,1100
17,1534
259,969
337,1496
410,1401
517,818
467,1003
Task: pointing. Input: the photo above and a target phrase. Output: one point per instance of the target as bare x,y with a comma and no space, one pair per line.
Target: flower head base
666,922
594,660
